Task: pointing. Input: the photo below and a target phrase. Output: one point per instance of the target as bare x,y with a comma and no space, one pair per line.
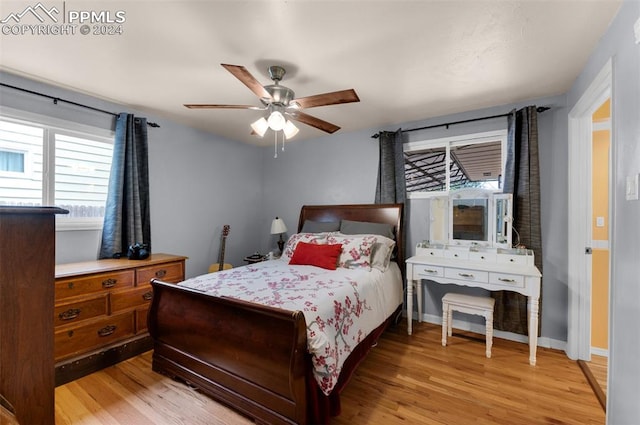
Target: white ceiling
407,60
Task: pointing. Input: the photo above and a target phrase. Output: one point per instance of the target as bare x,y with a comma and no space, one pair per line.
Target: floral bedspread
341,307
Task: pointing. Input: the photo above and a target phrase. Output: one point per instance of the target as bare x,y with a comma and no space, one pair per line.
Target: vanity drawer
168,272
506,279
466,274
482,257
456,254
421,271
82,308
512,259
93,283
429,252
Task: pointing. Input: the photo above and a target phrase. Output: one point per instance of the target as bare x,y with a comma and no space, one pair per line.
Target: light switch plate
636,31
632,188
599,221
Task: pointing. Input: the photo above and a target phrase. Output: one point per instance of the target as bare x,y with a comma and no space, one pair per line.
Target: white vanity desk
494,269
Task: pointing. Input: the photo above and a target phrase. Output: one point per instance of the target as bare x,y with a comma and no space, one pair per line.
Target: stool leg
450,321
445,327
419,298
489,320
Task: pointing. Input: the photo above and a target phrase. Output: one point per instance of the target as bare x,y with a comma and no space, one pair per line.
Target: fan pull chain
275,144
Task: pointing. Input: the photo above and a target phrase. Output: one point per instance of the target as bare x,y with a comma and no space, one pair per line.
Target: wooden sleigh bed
253,357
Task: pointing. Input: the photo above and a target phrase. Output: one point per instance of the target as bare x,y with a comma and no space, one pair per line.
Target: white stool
481,306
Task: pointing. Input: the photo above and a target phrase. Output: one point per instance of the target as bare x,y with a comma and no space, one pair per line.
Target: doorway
585,225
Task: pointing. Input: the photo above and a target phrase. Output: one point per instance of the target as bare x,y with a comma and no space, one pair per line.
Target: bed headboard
376,213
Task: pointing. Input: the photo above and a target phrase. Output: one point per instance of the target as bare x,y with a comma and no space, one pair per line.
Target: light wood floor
404,380
598,366
595,371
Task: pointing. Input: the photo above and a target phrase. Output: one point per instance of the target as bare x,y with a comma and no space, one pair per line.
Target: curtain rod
447,124
58,99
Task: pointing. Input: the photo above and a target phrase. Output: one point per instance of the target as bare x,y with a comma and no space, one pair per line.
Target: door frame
580,212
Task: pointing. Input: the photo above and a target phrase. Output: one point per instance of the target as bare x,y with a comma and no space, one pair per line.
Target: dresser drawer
168,272
465,274
82,285
126,300
506,279
93,335
81,308
141,320
421,271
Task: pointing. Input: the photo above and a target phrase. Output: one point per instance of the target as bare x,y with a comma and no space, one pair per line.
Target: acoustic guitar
221,265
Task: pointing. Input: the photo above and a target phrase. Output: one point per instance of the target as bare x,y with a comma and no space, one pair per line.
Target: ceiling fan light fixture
290,130
276,121
260,126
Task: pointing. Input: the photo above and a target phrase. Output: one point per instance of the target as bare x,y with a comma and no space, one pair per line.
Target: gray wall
199,182
624,351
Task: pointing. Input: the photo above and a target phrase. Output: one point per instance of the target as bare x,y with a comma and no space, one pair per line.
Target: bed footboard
248,356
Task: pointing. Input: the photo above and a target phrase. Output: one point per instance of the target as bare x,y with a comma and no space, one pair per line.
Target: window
12,162
66,165
440,165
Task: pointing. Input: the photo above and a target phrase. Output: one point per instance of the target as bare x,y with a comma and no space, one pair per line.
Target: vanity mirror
472,217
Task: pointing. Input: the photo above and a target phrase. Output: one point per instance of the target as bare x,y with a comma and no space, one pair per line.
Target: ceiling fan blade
333,98
313,121
241,73
214,106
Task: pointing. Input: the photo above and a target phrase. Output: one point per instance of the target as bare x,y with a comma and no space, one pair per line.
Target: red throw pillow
320,255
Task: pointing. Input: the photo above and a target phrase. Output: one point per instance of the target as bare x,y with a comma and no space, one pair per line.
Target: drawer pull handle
147,296
107,330
431,253
161,273
503,279
70,314
482,257
109,283
511,260
71,285
70,334
468,275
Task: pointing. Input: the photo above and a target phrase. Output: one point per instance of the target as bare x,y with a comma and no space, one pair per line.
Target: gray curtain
391,186
127,217
522,180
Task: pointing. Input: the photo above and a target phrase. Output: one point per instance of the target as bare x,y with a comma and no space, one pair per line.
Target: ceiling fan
281,102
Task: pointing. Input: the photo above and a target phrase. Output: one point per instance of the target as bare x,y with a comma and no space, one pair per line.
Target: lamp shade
260,126
276,121
290,129
277,226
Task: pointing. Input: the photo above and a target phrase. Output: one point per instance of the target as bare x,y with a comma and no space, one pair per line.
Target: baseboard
600,352
464,325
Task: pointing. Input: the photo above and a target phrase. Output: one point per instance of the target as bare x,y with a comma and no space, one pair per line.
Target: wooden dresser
100,314
27,261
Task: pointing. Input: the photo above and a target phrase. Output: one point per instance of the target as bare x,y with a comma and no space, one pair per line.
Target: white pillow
363,251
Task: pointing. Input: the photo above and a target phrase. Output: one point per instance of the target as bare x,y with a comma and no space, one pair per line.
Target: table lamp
278,227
